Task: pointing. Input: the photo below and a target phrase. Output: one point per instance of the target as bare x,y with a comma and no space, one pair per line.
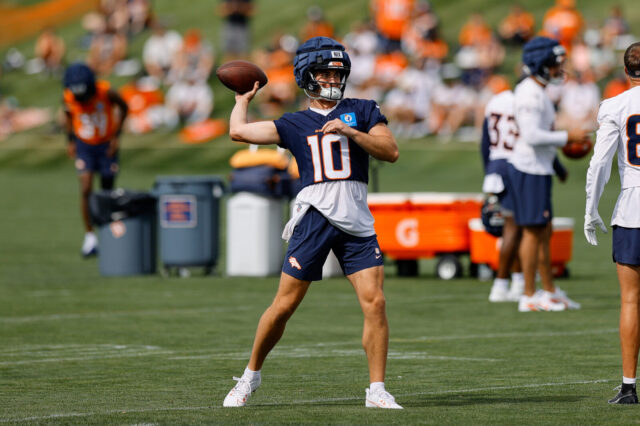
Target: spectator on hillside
563,22
615,26
50,49
277,62
475,31
452,104
421,38
107,49
190,100
316,25
361,43
407,104
616,86
391,17
517,27
140,16
235,34
194,60
579,101
160,50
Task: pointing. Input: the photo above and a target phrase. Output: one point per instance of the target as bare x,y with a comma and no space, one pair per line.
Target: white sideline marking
507,335
296,402
52,317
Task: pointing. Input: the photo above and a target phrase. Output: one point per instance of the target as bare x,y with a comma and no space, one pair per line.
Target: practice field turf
83,349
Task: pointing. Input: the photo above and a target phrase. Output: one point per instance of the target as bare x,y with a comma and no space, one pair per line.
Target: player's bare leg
290,293
86,182
629,277
544,259
511,236
530,256
90,243
368,284
529,253
271,326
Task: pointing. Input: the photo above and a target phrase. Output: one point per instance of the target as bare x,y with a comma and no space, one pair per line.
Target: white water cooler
254,235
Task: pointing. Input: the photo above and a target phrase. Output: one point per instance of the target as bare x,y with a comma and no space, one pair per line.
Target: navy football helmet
81,81
539,54
321,53
492,217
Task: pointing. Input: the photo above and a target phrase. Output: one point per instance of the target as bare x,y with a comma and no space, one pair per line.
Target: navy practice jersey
329,157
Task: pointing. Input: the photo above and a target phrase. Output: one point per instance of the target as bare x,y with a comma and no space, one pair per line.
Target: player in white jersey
499,133
619,129
531,168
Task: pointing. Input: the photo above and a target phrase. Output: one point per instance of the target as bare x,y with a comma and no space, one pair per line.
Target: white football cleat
381,399
239,395
499,295
560,296
516,290
89,245
540,301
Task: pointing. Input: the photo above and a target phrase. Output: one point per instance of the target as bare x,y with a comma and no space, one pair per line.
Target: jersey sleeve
283,126
600,165
373,115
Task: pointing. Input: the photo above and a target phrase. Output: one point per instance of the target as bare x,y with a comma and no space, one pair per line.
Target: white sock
517,277
376,387
628,381
251,375
501,283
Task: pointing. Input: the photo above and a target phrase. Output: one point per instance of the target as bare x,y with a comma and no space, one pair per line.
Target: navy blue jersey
329,157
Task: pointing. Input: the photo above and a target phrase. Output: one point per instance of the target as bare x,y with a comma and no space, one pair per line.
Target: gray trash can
126,223
189,219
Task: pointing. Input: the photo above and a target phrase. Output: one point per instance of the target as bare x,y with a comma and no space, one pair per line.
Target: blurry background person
160,50
194,60
190,100
391,18
563,22
94,118
108,47
517,27
50,50
316,25
579,101
235,33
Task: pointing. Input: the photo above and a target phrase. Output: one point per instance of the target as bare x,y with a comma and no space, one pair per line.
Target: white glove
590,224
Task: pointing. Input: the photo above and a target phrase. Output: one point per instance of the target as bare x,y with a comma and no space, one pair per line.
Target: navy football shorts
531,197
626,245
314,236
500,167
93,158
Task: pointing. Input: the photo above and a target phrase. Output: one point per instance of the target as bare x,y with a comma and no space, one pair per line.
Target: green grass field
78,348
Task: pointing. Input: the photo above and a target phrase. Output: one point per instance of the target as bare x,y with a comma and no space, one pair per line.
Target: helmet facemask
317,89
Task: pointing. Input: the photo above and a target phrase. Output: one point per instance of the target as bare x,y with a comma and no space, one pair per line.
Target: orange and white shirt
93,122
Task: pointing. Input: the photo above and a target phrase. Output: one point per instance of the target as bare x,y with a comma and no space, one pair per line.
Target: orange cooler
423,224
485,247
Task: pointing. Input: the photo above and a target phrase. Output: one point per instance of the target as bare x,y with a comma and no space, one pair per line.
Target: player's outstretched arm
379,142
259,132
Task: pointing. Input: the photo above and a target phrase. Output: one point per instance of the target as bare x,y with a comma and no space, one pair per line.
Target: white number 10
327,156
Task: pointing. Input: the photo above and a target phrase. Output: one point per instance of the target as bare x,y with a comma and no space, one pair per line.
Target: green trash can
189,220
126,222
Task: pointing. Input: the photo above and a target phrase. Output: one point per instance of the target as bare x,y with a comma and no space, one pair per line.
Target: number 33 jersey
619,129
333,169
331,156
93,122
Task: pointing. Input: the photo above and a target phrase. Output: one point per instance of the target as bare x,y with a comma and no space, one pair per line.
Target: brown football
239,76
577,150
